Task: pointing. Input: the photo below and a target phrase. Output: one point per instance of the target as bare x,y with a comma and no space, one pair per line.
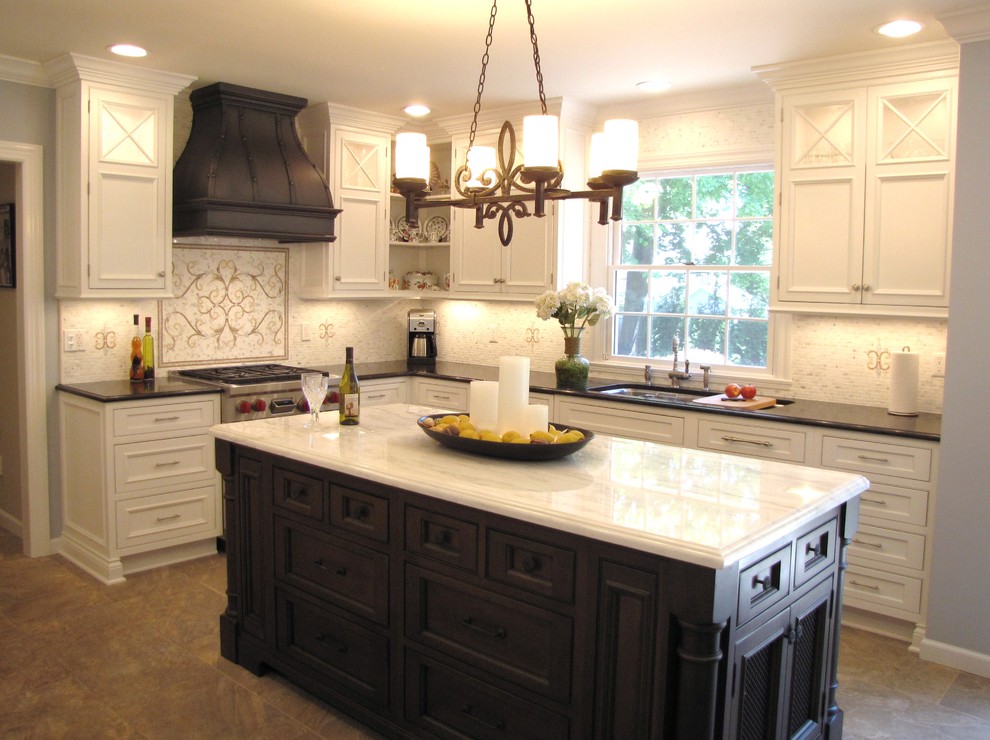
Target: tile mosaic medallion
231,306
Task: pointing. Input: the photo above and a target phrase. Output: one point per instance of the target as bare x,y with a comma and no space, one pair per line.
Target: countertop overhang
696,506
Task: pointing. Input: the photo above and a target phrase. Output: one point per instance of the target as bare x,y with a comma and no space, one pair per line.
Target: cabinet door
822,180
909,193
758,681
130,216
809,654
361,167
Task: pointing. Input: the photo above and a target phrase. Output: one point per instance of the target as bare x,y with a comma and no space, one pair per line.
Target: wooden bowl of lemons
457,432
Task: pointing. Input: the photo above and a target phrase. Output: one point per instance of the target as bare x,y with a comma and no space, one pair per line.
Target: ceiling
380,55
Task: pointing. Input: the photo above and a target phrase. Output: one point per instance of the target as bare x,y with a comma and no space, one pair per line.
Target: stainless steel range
260,391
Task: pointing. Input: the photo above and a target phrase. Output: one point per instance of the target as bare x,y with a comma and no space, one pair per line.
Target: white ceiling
380,55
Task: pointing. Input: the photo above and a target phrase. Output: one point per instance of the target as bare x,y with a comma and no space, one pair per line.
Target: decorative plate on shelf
435,229
407,232
394,233
506,450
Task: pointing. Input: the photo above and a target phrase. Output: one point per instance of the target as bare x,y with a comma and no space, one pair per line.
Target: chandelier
490,181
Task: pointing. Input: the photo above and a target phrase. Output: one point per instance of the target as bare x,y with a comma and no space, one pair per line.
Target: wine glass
314,387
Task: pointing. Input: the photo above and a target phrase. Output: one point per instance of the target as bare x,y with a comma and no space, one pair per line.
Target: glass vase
572,368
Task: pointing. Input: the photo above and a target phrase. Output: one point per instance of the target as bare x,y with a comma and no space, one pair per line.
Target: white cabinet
752,438
449,395
113,178
383,390
139,482
354,150
865,175
621,419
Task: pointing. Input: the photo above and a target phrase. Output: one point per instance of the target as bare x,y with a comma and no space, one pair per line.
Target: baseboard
169,555
956,657
14,526
880,624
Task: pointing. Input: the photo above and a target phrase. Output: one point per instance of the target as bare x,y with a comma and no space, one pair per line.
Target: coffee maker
422,337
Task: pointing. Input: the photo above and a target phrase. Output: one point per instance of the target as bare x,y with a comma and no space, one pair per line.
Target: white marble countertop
697,506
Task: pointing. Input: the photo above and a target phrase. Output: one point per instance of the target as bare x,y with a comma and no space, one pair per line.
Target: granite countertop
853,417
107,391
693,505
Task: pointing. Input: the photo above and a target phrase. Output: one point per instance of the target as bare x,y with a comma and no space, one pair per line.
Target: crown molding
23,71
71,67
965,26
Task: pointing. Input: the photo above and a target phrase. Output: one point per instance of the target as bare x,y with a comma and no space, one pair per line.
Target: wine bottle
137,358
350,393
148,350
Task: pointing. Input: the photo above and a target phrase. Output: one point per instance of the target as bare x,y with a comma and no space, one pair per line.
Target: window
691,260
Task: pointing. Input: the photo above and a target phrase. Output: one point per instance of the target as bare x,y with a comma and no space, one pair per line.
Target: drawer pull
376,395
492,722
874,459
877,501
166,418
332,643
530,564
444,539
765,583
168,464
166,518
743,440
795,633
815,550
877,545
444,396
498,632
864,585
341,571
360,513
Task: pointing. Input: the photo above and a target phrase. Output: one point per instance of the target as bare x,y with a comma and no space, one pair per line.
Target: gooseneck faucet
676,376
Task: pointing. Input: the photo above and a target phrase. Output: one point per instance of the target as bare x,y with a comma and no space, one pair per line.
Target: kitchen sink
650,392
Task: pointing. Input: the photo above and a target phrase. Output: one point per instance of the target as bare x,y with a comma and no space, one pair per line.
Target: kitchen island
629,590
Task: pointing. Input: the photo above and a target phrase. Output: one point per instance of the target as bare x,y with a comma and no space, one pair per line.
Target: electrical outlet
72,340
938,370
305,334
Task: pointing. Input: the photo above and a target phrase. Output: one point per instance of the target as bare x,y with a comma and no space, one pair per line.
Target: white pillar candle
537,419
483,404
513,393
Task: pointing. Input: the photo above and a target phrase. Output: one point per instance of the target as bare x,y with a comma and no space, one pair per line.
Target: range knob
259,404
302,405
244,407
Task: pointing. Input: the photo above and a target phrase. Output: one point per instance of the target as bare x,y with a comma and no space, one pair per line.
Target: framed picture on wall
8,264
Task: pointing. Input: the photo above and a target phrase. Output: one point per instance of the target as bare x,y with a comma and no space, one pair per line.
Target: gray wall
10,429
27,116
960,595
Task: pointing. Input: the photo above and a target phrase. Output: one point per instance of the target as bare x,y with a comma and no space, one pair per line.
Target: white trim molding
956,657
971,24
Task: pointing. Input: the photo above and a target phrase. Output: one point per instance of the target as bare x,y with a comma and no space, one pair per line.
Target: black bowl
505,450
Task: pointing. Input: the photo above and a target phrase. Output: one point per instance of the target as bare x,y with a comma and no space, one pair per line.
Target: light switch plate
72,340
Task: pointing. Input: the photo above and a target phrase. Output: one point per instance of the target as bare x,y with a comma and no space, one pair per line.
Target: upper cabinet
865,178
113,178
354,149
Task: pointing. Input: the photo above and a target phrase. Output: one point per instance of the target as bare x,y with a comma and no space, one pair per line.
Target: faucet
676,376
706,374
648,374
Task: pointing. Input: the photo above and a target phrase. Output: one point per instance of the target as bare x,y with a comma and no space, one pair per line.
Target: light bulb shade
412,156
622,145
596,162
480,159
541,136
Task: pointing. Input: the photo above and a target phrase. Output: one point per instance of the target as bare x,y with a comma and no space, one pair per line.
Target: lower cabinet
424,618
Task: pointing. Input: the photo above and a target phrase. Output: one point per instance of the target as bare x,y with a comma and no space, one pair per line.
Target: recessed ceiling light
653,86
128,50
417,110
900,28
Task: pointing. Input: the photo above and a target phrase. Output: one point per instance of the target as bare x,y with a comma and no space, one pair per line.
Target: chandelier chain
536,55
484,69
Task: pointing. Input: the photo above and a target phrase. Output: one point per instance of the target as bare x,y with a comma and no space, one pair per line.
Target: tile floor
141,660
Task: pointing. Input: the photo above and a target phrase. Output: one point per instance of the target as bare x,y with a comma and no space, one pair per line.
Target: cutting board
741,404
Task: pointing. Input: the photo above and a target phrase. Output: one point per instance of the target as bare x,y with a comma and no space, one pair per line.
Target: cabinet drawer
376,395
887,546
441,396
764,583
442,538
872,458
447,703
298,493
164,462
359,512
530,565
165,418
337,571
815,552
521,643
349,654
751,440
622,422
892,504
157,520
871,588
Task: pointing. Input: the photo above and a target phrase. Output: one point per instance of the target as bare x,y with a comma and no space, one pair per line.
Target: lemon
540,436
511,435
519,440
450,419
490,436
463,417
567,438
465,425
469,433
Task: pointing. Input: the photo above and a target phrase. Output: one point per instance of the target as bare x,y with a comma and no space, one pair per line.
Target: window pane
669,290
749,294
754,243
748,343
663,329
754,195
637,244
707,293
631,289
672,245
630,335
639,200
714,196
711,243
675,198
707,341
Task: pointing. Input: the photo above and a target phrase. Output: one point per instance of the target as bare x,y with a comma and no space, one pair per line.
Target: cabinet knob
337,278
161,273
867,286
856,286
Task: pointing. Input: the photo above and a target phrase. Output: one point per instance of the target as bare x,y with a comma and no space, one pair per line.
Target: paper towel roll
903,383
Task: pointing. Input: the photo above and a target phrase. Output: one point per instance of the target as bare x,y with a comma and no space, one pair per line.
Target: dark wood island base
421,617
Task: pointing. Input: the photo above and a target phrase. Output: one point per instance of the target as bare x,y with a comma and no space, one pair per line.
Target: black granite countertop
107,391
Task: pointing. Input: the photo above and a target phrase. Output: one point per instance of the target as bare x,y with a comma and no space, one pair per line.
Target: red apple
748,391
732,390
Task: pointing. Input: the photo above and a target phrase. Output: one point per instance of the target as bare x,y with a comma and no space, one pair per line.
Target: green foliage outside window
693,261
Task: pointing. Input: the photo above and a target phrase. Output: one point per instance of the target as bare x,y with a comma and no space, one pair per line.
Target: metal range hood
244,173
